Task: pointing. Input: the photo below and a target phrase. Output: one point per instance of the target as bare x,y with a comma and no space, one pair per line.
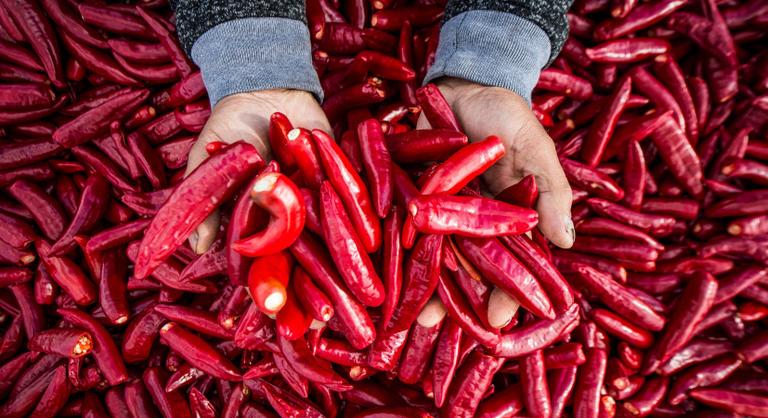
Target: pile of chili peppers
354,278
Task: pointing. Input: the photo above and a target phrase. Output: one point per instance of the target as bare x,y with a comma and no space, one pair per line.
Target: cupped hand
483,111
245,116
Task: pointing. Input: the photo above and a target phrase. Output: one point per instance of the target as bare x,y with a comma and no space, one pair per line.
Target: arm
489,58
255,58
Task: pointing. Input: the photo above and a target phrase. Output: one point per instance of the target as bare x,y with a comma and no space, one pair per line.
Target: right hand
245,116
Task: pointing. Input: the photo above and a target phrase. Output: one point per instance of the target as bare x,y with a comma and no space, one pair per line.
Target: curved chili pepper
104,350
456,172
192,201
352,191
268,281
47,212
523,193
253,329
627,50
39,33
536,336
276,194
93,204
591,180
169,42
292,319
358,326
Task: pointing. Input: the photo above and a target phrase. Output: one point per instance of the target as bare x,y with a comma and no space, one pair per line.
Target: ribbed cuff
492,48
254,54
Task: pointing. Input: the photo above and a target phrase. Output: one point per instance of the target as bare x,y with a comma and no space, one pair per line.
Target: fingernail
570,229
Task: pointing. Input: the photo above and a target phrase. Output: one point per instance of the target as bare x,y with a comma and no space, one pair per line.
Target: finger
432,313
555,197
501,308
206,232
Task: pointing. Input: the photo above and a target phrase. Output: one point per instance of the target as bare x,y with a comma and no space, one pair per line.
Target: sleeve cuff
492,48
254,54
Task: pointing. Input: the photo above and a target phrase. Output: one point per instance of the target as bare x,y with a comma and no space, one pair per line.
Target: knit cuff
492,48
254,54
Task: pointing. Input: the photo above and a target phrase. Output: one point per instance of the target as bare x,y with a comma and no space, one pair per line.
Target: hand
245,116
484,111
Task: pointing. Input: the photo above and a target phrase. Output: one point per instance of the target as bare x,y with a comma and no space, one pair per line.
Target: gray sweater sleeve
250,45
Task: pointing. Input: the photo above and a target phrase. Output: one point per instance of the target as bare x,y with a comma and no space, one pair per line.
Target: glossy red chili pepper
456,172
352,191
169,42
469,216
268,281
436,109
591,180
627,50
706,374
602,129
313,258
523,193
460,311
292,320
537,335
377,163
201,321
621,328
392,19
310,297
415,361
297,352
655,224
66,342
347,251
276,194
586,401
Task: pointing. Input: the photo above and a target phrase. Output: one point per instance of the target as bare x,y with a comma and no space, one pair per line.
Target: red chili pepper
292,319
392,19
436,109
392,270
301,359
732,401
137,51
62,341
37,30
347,251
276,194
621,328
197,352
377,164
192,201
422,342
310,297
752,171
104,350
469,216
189,89
627,50
470,384
749,226
358,327
602,129
169,403
591,180
537,335
268,281
500,266
352,190
523,193
339,352
169,42
655,224
201,321
616,249
564,83
459,310
456,172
